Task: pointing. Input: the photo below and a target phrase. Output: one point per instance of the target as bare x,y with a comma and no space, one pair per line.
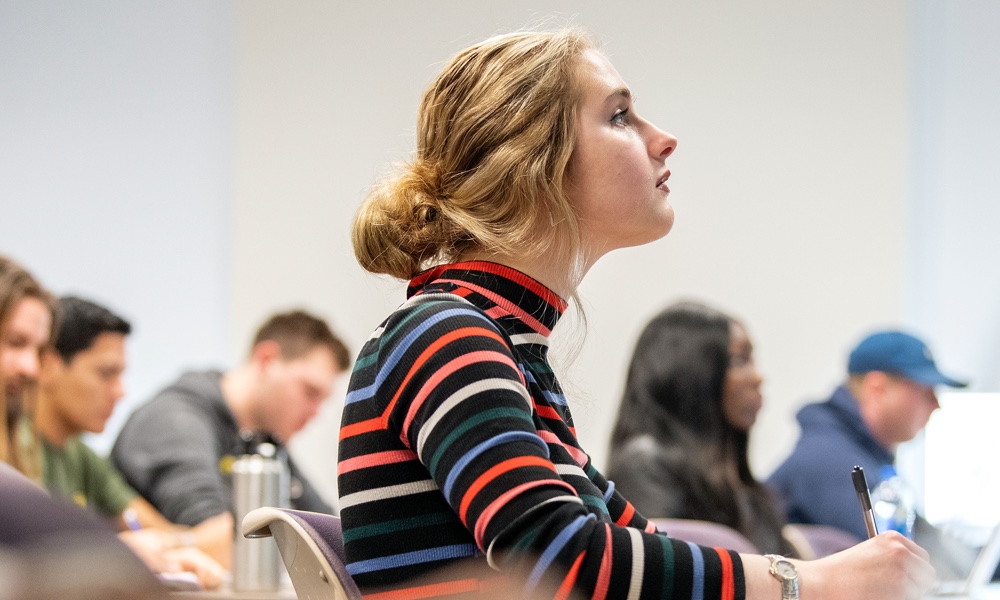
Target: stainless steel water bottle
259,479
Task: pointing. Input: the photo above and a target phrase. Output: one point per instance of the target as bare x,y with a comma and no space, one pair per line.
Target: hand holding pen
861,487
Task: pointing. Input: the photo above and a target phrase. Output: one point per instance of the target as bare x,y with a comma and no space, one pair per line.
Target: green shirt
76,472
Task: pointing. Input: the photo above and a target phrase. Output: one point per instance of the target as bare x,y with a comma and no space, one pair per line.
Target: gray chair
312,548
817,541
706,533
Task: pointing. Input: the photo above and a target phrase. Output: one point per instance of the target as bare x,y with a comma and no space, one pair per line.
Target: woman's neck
554,270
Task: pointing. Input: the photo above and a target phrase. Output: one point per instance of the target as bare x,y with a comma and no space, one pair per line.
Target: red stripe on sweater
382,421
604,575
503,499
728,580
428,591
375,460
626,515
470,358
570,580
494,472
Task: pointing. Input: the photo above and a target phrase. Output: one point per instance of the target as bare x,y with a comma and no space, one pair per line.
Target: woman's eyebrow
622,92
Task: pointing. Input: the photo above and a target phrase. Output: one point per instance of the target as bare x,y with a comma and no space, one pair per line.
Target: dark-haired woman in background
679,446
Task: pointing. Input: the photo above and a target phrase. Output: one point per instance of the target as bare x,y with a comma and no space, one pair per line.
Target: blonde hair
17,284
495,134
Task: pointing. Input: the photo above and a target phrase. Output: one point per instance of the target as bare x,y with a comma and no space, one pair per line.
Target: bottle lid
248,442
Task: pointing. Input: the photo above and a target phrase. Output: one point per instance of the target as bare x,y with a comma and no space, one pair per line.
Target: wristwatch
784,571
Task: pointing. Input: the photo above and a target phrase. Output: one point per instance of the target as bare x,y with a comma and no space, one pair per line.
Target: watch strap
785,572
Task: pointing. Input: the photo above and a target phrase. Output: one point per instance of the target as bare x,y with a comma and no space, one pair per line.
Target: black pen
861,487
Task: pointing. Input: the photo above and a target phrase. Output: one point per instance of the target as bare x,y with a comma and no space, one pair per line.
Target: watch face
785,569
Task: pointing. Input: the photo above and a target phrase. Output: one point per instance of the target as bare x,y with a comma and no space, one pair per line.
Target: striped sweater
459,463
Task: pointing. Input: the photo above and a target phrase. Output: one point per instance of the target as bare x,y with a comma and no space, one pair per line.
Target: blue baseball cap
900,354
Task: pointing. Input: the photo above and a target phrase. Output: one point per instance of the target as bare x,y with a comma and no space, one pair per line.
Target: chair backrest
820,540
705,533
312,548
50,548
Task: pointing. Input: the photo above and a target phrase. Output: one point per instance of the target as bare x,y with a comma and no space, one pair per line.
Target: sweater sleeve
462,405
169,453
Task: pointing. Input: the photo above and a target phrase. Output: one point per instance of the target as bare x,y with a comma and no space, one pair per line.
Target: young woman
679,446
457,448
27,316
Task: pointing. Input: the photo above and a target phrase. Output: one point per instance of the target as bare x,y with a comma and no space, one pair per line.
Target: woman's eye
620,117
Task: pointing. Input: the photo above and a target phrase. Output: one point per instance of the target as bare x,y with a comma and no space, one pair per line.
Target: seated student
79,383
457,444
27,313
887,399
679,446
176,448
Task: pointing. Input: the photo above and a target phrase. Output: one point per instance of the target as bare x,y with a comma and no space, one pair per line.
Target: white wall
953,291
116,144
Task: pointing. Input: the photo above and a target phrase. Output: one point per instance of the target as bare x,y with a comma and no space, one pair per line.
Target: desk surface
286,592
990,592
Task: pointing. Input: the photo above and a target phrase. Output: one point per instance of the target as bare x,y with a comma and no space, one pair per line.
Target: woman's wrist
812,579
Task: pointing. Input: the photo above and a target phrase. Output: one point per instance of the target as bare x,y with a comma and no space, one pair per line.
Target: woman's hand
886,567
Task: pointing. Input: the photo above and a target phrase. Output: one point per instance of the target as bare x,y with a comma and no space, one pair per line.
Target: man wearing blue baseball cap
887,399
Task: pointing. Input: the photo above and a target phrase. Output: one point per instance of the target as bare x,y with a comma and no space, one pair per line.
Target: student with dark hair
457,443
28,316
79,383
679,445
176,449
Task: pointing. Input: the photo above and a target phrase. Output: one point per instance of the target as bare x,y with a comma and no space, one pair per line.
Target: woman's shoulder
642,448
648,450
434,308
426,318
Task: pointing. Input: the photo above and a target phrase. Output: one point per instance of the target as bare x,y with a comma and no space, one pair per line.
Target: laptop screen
961,478
950,467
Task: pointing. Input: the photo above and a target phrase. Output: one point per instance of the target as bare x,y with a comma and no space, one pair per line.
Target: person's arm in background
156,548
172,460
211,536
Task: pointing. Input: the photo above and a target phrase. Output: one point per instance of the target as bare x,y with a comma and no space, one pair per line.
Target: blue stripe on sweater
412,558
551,397
503,438
698,572
611,491
553,549
404,345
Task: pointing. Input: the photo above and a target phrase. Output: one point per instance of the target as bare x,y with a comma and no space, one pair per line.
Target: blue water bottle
893,503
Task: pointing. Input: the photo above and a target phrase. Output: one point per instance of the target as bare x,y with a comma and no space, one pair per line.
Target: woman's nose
662,144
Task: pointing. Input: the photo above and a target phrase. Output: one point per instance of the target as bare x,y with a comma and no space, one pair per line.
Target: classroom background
195,166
